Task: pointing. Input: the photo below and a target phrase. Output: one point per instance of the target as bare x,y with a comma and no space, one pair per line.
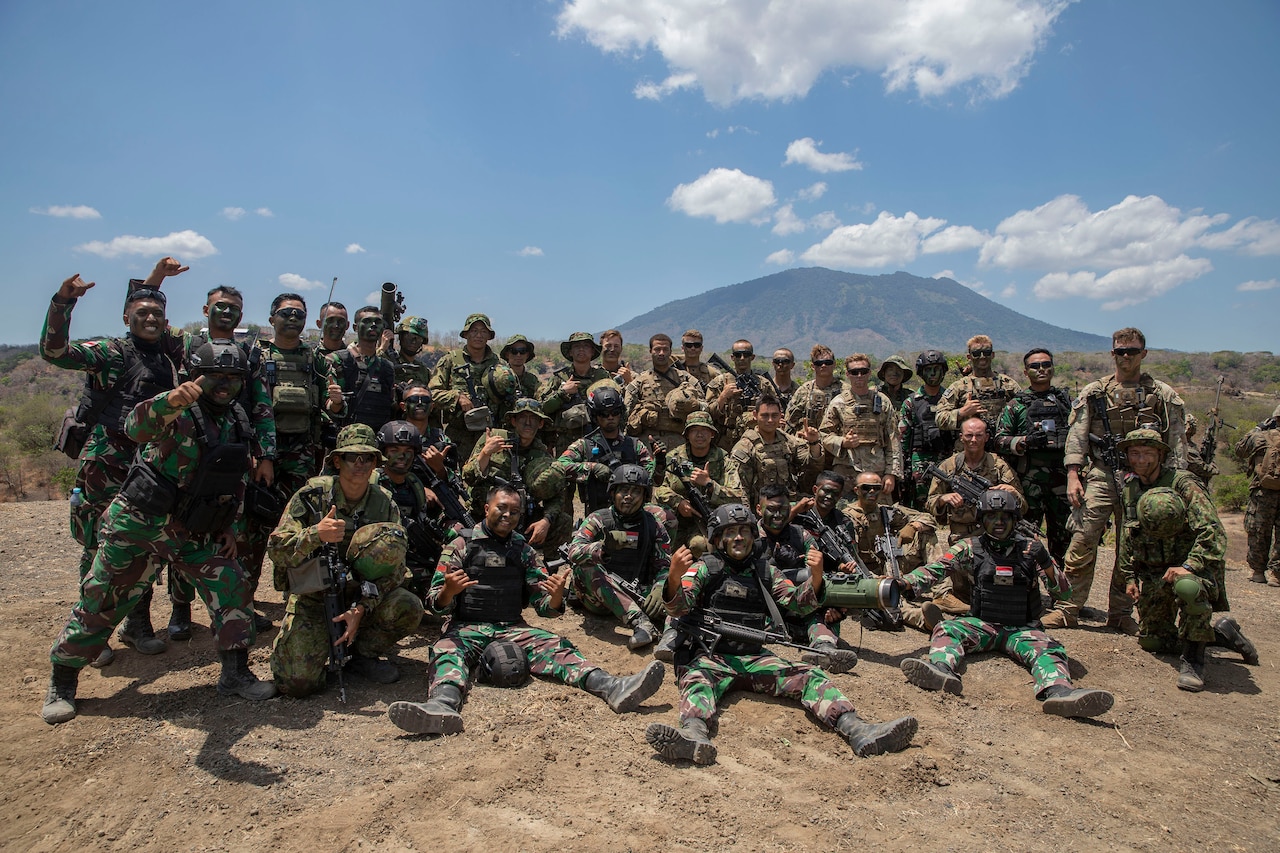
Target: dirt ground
157,760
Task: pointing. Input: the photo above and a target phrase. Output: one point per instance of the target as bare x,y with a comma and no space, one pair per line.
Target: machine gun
970,486
707,630
748,382
890,550
1209,447
336,578
684,469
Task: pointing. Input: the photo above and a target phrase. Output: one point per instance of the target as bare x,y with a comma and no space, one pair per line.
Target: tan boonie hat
1144,438
472,319
567,346
699,419
527,404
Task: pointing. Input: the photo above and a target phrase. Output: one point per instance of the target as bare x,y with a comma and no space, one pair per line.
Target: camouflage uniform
649,404
546,493
579,464
787,551
255,399
1150,403
301,650
875,422
703,373
994,392
368,388
133,541
1041,471
587,552
786,460
493,387
1200,546
570,419
675,488
1262,515
810,403
866,528
963,521
734,418
926,443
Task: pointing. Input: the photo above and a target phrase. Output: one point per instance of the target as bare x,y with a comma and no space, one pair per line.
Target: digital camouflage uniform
1262,515
133,542
874,421
675,488
590,556
649,404
787,551
755,463
963,521
301,650
1200,545
491,385
923,442
1041,471
702,374
994,392
810,403
579,463
735,417
545,492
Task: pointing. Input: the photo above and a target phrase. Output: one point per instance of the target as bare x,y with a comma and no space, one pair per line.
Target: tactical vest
926,438
863,419
775,463
1139,407
634,562
737,598
415,370
144,373
371,398
1006,587
1051,405
209,503
291,382
989,393
595,491
787,550
501,594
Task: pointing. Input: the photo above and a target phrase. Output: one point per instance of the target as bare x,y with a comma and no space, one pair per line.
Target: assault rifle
833,543
1209,447
477,418
707,630
684,469
890,550
970,486
749,382
449,501
336,578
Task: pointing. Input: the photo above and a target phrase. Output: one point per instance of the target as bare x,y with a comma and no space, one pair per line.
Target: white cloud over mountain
186,245
726,195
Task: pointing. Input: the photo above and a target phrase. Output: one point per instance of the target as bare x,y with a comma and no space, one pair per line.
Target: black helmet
217,357
726,516
399,433
998,500
928,357
605,400
629,475
503,664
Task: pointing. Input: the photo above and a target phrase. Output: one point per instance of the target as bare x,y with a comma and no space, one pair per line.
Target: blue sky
568,165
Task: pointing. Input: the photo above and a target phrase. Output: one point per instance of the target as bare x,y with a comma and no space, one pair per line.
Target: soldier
623,544
1032,437
660,399
517,457
333,325
731,397
947,505
784,360
486,577
1172,558
1204,471
810,401
401,445
1125,401
1259,449
690,360
860,428
366,379
696,466
119,373
177,506
767,455
590,461
516,352
982,394
471,389
893,376
348,511
611,358
735,585
410,362
1004,571
926,443
564,393
438,453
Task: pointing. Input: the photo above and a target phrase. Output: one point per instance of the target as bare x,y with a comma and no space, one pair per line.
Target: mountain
879,315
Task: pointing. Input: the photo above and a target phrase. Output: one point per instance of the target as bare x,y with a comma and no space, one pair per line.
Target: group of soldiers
726,511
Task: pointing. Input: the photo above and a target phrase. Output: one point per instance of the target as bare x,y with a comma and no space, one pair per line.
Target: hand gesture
74,287
700,477
809,434
335,395
569,388
265,472
968,410
166,267
185,394
227,545
554,586
813,559
455,581
681,561
331,529
351,618
730,391
537,532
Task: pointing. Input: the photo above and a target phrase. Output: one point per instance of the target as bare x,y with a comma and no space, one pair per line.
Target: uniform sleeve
739,474
1210,548
151,418
958,559
1011,424
450,559
262,415
946,415
1077,449
798,599
295,538
535,573
586,548
892,440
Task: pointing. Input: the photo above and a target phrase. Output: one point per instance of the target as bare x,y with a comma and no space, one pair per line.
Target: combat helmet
377,550
504,664
216,357
400,433
930,357
604,398
629,475
998,500
727,516
1161,512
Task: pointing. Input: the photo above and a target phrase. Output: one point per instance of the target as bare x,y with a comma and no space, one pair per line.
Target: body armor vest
925,435
631,563
786,549
209,503
864,418
595,491
372,395
252,358
991,396
1006,587
291,382
1052,405
501,594
738,599
1139,407
775,464
144,373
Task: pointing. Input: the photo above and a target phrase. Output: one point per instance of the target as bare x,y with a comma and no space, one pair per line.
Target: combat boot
1230,636
437,716
238,680
642,633
1258,577
831,657
106,657
665,651
1125,624
1059,619
375,669
931,676
688,742
180,621
60,701
1191,673
869,739
1066,701
261,623
623,694
137,631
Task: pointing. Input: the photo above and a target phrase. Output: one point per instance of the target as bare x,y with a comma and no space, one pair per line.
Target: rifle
889,550
334,592
1209,447
708,630
749,382
684,470
448,496
477,418
970,486
833,543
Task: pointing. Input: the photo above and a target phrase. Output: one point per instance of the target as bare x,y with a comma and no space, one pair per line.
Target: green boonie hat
527,404
413,325
472,319
512,341
356,438
702,419
565,346
1143,437
907,372
377,550
1161,512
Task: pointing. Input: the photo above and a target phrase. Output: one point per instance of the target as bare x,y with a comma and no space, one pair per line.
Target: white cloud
727,195
781,258
293,281
1252,236
731,129
777,49
530,252
354,249
1124,286
825,221
955,238
813,192
67,211
186,245
888,241
1271,284
787,222
264,211
232,213
805,152
1010,291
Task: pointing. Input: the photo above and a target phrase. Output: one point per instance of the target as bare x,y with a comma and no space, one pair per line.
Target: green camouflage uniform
546,492
675,489
1041,472
920,444
1262,515
450,380
571,420
598,592
577,464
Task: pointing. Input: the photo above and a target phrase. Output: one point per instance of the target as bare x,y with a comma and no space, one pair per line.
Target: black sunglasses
781,362
981,353
738,353
823,362
867,489
291,313
691,344
860,371
519,350
1126,350
1040,365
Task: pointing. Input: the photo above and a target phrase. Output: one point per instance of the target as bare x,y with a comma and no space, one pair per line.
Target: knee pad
1190,590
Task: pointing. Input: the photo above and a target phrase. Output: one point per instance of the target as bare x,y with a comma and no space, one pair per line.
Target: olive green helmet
1161,512
377,550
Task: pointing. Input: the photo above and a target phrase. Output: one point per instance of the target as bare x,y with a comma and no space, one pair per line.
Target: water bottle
77,498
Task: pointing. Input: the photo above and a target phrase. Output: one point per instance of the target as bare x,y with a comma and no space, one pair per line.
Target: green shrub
1231,492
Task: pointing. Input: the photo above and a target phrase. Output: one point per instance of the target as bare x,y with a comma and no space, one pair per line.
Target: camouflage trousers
1262,524
131,545
601,595
1163,620
707,678
300,654
1046,492
920,481
294,465
1081,559
99,478
1044,655
458,650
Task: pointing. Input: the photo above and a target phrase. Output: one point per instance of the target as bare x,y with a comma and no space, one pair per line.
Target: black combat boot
238,680
106,657
60,701
437,716
1191,673
831,657
1230,636
375,669
688,742
1066,701
665,651
623,694
930,675
180,621
642,633
137,630
876,738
